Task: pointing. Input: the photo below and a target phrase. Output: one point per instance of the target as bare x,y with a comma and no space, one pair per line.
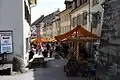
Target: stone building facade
36,27
65,18
96,16
110,46
78,15
56,26
15,15
48,24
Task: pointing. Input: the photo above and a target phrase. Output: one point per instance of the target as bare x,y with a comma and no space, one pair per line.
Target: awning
40,40
81,33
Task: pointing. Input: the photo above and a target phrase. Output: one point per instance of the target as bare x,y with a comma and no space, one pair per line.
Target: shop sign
6,42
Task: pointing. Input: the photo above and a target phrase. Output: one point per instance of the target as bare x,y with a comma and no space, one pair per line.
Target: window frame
84,19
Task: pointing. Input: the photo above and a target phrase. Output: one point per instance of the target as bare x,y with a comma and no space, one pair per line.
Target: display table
38,60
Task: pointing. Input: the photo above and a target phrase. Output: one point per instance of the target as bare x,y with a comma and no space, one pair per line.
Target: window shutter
81,22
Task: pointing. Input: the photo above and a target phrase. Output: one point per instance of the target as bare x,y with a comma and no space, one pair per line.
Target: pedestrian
65,49
48,47
31,54
45,53
57,48
51,51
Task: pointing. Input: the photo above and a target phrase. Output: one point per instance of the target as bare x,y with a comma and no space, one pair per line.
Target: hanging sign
6,42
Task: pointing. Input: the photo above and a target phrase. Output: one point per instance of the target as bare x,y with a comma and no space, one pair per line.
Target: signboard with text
6,42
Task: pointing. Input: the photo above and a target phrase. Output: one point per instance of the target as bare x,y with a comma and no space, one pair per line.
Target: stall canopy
77,31
40,40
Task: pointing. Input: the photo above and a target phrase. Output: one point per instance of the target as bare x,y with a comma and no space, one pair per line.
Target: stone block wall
111,32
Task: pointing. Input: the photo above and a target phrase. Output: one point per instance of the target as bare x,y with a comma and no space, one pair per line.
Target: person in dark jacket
57,49
65,49
48,47
45,53
31,54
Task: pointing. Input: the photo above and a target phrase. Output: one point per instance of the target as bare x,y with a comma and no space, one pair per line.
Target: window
27,44
94,20
61,19
84,1
78,20
27,15
73,22
75,3
81,2
67,17
94,2
78,2
84,17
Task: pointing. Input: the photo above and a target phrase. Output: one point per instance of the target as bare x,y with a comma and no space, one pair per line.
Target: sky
45,7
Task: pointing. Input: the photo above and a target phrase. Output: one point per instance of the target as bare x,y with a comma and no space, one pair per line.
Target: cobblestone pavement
54,71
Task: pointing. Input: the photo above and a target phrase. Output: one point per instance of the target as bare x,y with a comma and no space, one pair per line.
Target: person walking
31,54
48,47
45,53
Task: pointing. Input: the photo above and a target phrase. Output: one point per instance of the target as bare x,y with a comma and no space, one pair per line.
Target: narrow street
54,71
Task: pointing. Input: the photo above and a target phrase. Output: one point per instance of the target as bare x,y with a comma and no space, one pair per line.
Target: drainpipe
70,21
90,28
30,28
89,18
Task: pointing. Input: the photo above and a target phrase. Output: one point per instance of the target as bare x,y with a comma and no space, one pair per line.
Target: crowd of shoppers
50,49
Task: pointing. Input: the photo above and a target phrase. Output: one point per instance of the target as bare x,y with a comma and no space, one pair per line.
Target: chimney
68,3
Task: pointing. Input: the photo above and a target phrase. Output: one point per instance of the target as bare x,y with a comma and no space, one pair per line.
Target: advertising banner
6,44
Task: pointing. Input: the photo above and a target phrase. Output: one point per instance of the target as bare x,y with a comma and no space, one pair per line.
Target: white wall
33,30
65,21
41,29
12,18
80,11
54,29
97,8
49,30
26,31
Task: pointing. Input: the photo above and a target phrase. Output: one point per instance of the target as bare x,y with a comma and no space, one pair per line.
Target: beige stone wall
65,21
110,32
56,28
79,11
12,18
49,31
93,9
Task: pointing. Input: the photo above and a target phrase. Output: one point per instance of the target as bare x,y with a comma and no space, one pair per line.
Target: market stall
78,35
77,38
37,41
